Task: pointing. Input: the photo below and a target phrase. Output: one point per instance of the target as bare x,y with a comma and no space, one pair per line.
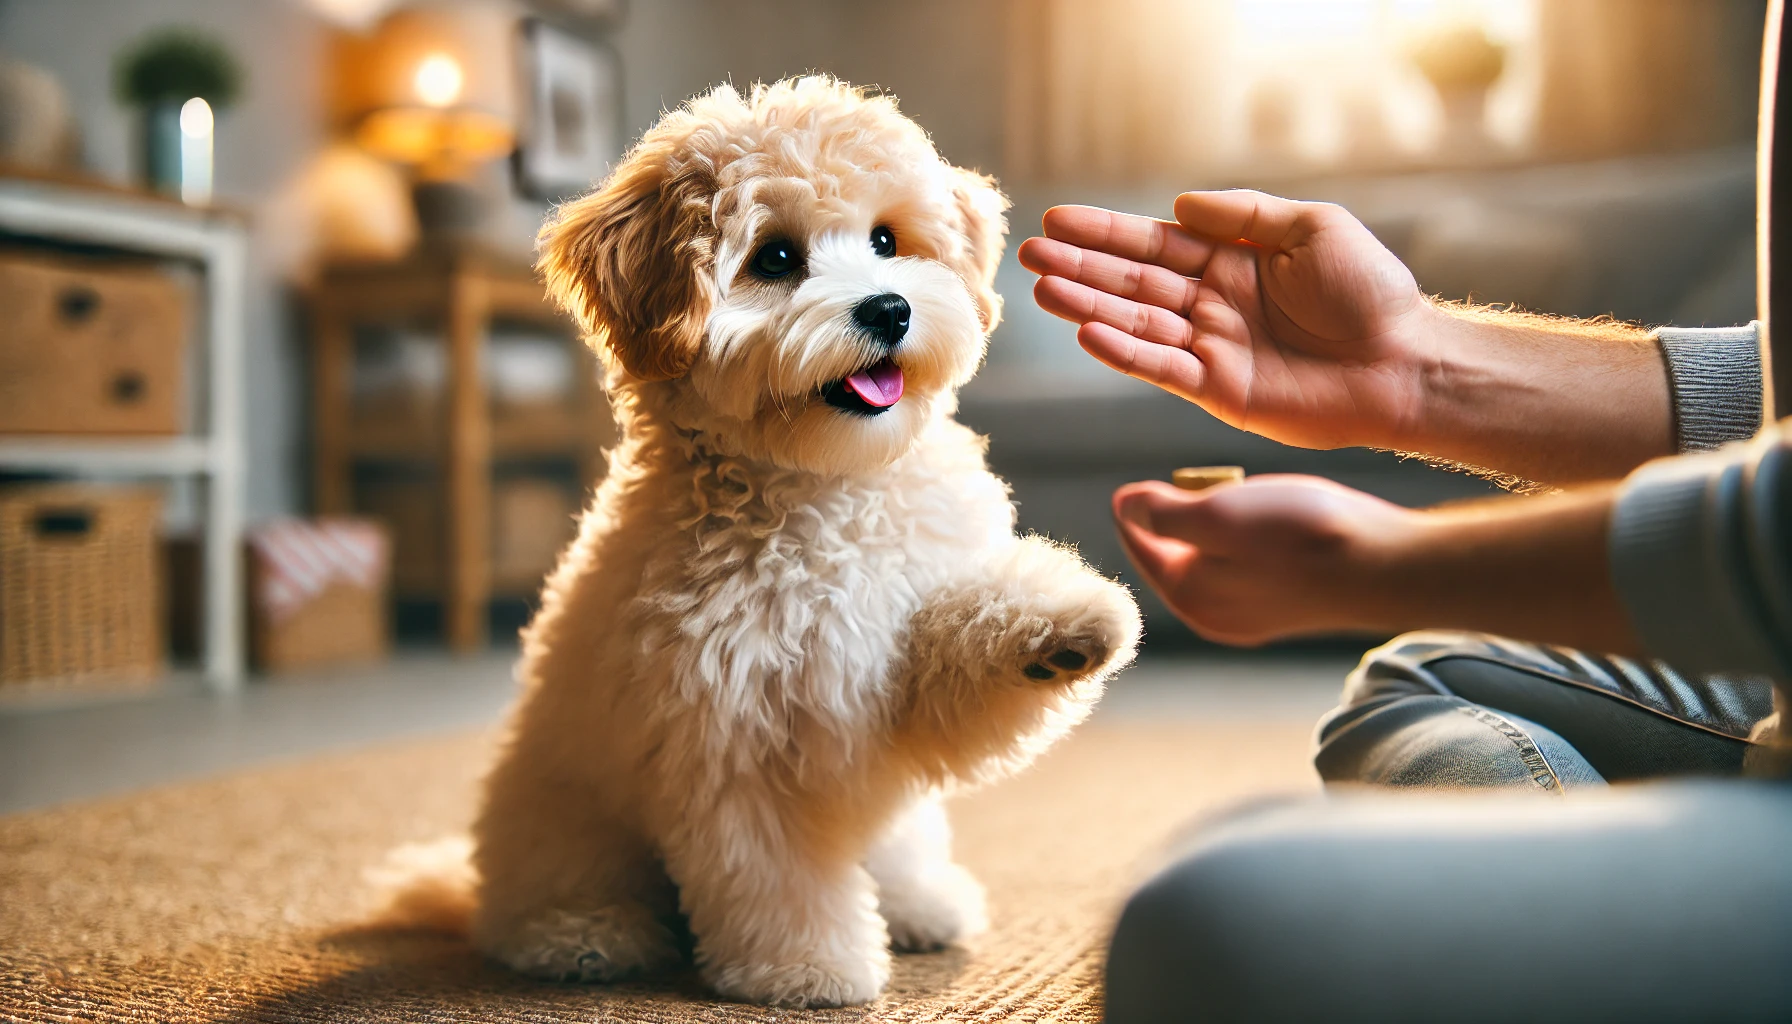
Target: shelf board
159,456
538,432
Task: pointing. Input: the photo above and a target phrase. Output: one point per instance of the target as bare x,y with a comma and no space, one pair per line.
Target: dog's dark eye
776,258
883,241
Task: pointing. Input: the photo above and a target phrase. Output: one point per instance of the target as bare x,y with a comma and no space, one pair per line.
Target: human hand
1284,318
1273,556
1284,556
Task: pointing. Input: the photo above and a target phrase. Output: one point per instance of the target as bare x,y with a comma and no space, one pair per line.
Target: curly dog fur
786,628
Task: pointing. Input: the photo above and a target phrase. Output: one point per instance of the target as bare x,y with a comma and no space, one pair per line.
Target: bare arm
1549,399
1291,320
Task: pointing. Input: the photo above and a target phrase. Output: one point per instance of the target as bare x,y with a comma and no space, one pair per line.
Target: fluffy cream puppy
796,613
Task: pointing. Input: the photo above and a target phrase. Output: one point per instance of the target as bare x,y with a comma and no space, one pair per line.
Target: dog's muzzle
877,388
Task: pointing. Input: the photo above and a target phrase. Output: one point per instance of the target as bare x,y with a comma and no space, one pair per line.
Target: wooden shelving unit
461,293
98,217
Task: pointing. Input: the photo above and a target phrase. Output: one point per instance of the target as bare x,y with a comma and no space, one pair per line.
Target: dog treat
1199,478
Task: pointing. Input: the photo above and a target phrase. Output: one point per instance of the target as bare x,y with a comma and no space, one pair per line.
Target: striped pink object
300,558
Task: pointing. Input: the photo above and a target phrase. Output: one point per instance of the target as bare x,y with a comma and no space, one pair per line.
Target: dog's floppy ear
630,261
980,207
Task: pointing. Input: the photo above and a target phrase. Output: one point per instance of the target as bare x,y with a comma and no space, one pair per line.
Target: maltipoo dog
797,613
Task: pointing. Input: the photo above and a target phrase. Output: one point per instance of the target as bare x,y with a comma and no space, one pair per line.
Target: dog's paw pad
1065,659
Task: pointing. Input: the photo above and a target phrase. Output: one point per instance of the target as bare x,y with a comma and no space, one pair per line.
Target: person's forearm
1550,400
1535,568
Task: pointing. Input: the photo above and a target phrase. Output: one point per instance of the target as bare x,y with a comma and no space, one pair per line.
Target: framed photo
572,112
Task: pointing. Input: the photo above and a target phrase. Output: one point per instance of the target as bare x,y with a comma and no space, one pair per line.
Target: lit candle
195,151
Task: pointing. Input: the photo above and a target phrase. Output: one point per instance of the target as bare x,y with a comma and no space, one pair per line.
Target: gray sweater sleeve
1701,555
1714,376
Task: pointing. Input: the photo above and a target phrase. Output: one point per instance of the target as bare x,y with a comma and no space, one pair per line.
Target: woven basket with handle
80,584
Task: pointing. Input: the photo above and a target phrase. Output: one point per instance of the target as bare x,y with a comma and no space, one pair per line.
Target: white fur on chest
789,611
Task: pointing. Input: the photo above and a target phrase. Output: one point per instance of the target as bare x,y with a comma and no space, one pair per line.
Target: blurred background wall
1584,157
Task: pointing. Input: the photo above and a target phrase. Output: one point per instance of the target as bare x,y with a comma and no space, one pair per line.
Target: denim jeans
1472,710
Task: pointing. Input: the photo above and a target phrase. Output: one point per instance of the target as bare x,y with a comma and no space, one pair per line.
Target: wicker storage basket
80,584
90,346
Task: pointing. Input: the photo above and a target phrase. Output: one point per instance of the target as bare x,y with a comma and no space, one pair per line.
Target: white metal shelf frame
119,221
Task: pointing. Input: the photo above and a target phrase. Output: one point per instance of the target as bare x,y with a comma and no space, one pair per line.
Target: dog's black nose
884,317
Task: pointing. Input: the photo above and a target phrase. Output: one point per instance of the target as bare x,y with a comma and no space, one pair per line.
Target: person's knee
1218,935
1384,678
1187,945
1402,666
1377,908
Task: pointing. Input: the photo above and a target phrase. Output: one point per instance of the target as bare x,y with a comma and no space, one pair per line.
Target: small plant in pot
177,78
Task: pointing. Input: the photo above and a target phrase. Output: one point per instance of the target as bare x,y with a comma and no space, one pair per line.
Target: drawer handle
78,303
128,386
64,523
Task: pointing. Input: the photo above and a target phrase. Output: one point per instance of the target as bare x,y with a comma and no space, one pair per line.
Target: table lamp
435,95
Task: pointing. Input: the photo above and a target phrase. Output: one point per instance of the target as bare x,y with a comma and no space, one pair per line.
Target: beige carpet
233,900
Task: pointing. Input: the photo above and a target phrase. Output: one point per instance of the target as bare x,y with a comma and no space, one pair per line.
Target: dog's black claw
1069,659
1039,672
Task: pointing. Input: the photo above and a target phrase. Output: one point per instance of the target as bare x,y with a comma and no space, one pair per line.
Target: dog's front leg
1010,657
781,909
927,899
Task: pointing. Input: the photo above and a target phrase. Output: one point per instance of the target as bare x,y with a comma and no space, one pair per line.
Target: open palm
1284,318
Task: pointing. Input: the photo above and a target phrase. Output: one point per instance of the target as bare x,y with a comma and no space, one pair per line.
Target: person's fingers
1168,511
1144,239
1160,560
1256,217
1174,369
1140,282
1082,304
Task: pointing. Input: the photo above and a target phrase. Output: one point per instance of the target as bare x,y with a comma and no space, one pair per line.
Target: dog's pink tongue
879,384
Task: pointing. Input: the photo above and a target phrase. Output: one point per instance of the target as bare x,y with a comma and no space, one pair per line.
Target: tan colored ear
980,206
630,261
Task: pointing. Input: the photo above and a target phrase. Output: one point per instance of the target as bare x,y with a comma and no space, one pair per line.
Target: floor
58,748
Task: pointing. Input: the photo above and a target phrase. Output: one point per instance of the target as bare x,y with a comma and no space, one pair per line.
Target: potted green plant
158,75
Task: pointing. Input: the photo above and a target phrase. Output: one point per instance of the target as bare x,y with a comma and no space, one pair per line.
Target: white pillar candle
195,151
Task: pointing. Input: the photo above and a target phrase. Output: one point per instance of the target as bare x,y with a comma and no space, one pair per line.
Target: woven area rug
235,899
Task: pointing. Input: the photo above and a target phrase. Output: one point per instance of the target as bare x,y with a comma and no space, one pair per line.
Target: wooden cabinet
458,436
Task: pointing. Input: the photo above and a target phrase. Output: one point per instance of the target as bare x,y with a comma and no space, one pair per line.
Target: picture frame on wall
571,129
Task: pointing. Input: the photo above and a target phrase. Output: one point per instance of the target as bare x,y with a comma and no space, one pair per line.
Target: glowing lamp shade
432,87
440,142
